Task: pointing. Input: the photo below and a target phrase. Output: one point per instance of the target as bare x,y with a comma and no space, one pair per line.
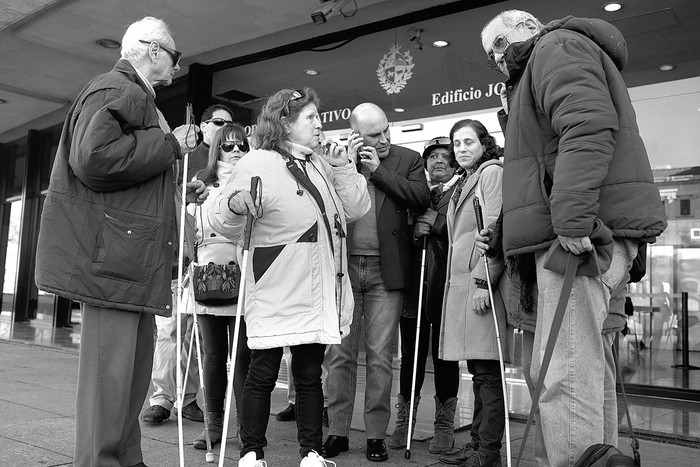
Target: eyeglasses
439,141
218,121
174,54
228,146
295,95
500,44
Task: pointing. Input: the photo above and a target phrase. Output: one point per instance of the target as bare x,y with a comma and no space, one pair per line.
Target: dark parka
573,150
107,232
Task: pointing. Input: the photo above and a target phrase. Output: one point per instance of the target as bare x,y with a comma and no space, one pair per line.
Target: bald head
369,121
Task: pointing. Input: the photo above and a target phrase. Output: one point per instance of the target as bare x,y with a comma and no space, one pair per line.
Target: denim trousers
116,354
576,400
255,408
446,372
378,310
217,339
489,416
164,373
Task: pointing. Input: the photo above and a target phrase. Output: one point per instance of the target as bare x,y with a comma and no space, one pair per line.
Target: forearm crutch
407,454
241,302
178,310
480,227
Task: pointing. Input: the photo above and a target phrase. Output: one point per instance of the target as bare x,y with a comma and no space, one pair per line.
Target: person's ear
287,126
532,26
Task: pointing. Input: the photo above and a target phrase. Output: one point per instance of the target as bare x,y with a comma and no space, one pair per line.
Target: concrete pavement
37,410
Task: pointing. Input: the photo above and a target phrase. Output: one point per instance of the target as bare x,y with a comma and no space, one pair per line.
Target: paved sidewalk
37,398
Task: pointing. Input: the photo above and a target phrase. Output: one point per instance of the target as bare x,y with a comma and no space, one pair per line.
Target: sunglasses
174,54
218,121
229,145
295,95
440,141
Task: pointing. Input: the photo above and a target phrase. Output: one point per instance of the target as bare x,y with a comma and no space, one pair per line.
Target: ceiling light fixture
311,72
611,7
399,110
108,43
666,67
440,44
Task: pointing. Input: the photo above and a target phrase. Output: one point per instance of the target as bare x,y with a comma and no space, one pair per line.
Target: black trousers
446,372
262,375
489,418
217,339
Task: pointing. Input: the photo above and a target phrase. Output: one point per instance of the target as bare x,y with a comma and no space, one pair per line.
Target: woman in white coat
468,331
298,293
216,323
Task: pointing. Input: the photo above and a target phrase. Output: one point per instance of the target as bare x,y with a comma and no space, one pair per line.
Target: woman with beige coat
468,330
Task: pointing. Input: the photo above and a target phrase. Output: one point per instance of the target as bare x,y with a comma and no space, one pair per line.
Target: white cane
407,454
241,302
209,456
178,311
480,227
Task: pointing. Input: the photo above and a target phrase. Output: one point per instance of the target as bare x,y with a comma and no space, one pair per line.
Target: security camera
414,36
328,9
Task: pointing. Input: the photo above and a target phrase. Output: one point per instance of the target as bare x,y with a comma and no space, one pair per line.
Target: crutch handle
249,218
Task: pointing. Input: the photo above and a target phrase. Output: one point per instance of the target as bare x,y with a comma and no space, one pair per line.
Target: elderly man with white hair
108,236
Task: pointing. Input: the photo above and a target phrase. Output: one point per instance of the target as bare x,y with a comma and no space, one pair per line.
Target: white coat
291,279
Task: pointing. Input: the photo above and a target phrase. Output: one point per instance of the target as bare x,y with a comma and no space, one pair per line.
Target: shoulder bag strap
569,275
306,182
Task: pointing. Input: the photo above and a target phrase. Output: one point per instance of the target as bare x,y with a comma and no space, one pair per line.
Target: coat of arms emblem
395,69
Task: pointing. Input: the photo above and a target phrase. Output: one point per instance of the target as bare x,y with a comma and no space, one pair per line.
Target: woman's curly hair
270,130
491,149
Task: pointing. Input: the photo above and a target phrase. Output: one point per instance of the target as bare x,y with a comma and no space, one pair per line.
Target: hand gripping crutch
241,302
407,454
180,305
480,227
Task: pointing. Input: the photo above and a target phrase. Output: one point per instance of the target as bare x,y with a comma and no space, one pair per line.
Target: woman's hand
481,240
481,302
429,217
241,203
333,153
196,192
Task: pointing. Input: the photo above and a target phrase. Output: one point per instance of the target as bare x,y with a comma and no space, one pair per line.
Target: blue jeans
380,310
255,407
573,405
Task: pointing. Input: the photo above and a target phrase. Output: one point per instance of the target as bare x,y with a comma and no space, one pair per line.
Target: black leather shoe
287,415
376,450
334,445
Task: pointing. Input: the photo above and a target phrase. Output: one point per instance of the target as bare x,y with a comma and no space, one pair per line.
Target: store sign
462,95
395,69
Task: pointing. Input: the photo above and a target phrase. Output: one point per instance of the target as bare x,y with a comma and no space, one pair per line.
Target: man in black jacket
380,246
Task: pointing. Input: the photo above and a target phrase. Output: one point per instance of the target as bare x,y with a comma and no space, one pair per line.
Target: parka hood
604,34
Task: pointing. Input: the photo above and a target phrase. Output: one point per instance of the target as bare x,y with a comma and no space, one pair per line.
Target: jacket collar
125,67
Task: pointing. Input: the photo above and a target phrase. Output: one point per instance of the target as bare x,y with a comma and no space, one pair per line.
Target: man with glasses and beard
108,236
573,160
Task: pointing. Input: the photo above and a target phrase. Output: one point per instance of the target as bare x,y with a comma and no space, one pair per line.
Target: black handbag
216,284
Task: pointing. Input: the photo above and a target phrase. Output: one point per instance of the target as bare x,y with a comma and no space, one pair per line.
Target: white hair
148,29
511,18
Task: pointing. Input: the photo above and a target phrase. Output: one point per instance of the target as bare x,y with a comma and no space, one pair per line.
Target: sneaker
480,459
155,415
312,459
192,412
251,460
287,415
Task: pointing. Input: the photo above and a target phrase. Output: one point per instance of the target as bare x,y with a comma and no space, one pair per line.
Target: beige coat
465,335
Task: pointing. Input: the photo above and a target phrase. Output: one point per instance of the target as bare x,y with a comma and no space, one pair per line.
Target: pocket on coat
125,250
